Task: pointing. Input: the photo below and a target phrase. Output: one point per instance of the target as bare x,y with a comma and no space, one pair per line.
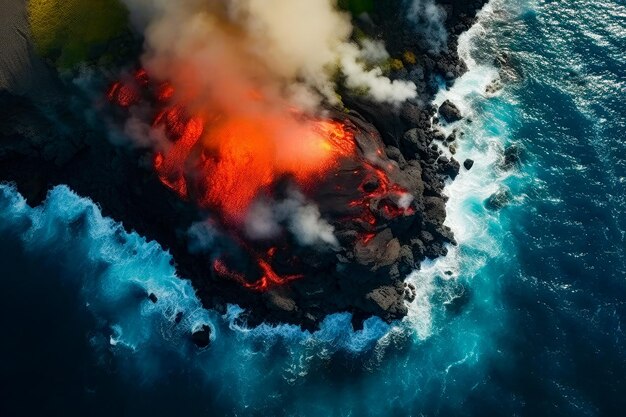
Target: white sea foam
481,141
130,265
117,270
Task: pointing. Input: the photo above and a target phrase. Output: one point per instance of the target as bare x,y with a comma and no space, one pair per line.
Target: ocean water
524,317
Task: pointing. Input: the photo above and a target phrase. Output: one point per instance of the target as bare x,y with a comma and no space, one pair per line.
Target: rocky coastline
49,136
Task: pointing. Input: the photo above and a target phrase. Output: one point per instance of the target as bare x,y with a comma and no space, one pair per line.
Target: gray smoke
292,46
267,219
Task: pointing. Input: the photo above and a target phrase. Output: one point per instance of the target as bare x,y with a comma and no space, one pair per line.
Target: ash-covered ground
53,132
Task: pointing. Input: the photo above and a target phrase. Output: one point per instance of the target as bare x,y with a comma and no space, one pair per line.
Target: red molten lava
223,161
268,279
379,194
239,158
125,95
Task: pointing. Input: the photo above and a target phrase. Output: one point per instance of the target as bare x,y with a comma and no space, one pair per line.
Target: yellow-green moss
395,64
72,31
409,58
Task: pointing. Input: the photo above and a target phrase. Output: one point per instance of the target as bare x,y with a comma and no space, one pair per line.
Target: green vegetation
409,58
72,31
395,64
390,65
356,7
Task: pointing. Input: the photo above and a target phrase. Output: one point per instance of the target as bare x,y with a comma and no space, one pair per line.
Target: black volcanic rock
178,317
512,156
468,164
201,337
449,112
388,299
396,155
499,199
449,167
434,210
415,143
45,141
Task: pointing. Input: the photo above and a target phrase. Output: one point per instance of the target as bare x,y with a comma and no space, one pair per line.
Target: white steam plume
266,219
379,88
287,49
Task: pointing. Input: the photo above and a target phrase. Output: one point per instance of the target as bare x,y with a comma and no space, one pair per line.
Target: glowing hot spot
223,160
229,162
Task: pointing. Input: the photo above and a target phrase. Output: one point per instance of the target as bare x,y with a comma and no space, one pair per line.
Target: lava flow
377,187
223,162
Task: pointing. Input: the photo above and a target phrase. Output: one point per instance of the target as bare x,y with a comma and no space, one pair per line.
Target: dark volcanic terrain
51,133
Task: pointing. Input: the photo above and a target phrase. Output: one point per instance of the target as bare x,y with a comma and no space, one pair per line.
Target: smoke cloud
202,236
379,88
250,76
429,19
267,219
288,52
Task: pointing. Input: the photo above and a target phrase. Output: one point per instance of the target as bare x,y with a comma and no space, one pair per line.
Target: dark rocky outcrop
201,336
499,199
45,141
178,317
449,112
468,164
513,155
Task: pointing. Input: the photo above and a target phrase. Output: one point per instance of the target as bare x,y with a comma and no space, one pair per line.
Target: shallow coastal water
523,317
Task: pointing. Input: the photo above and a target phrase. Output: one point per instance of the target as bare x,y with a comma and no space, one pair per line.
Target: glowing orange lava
377,187
268,279
229,161
223,160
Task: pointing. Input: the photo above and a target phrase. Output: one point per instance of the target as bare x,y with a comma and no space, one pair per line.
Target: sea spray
257,368
117,272
481,136
536,327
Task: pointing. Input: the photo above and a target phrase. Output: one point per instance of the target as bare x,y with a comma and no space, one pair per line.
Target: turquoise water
524,317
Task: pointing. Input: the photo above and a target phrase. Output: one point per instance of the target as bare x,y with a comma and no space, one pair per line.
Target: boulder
384,297
389,299
499,199
434,211
512,156
449,112
201,337
178,317
449,167
410,292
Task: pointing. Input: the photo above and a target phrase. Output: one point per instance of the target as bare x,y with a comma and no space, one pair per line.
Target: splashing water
524,317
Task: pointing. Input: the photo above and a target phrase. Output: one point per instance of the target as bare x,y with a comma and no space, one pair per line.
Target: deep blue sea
526,317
